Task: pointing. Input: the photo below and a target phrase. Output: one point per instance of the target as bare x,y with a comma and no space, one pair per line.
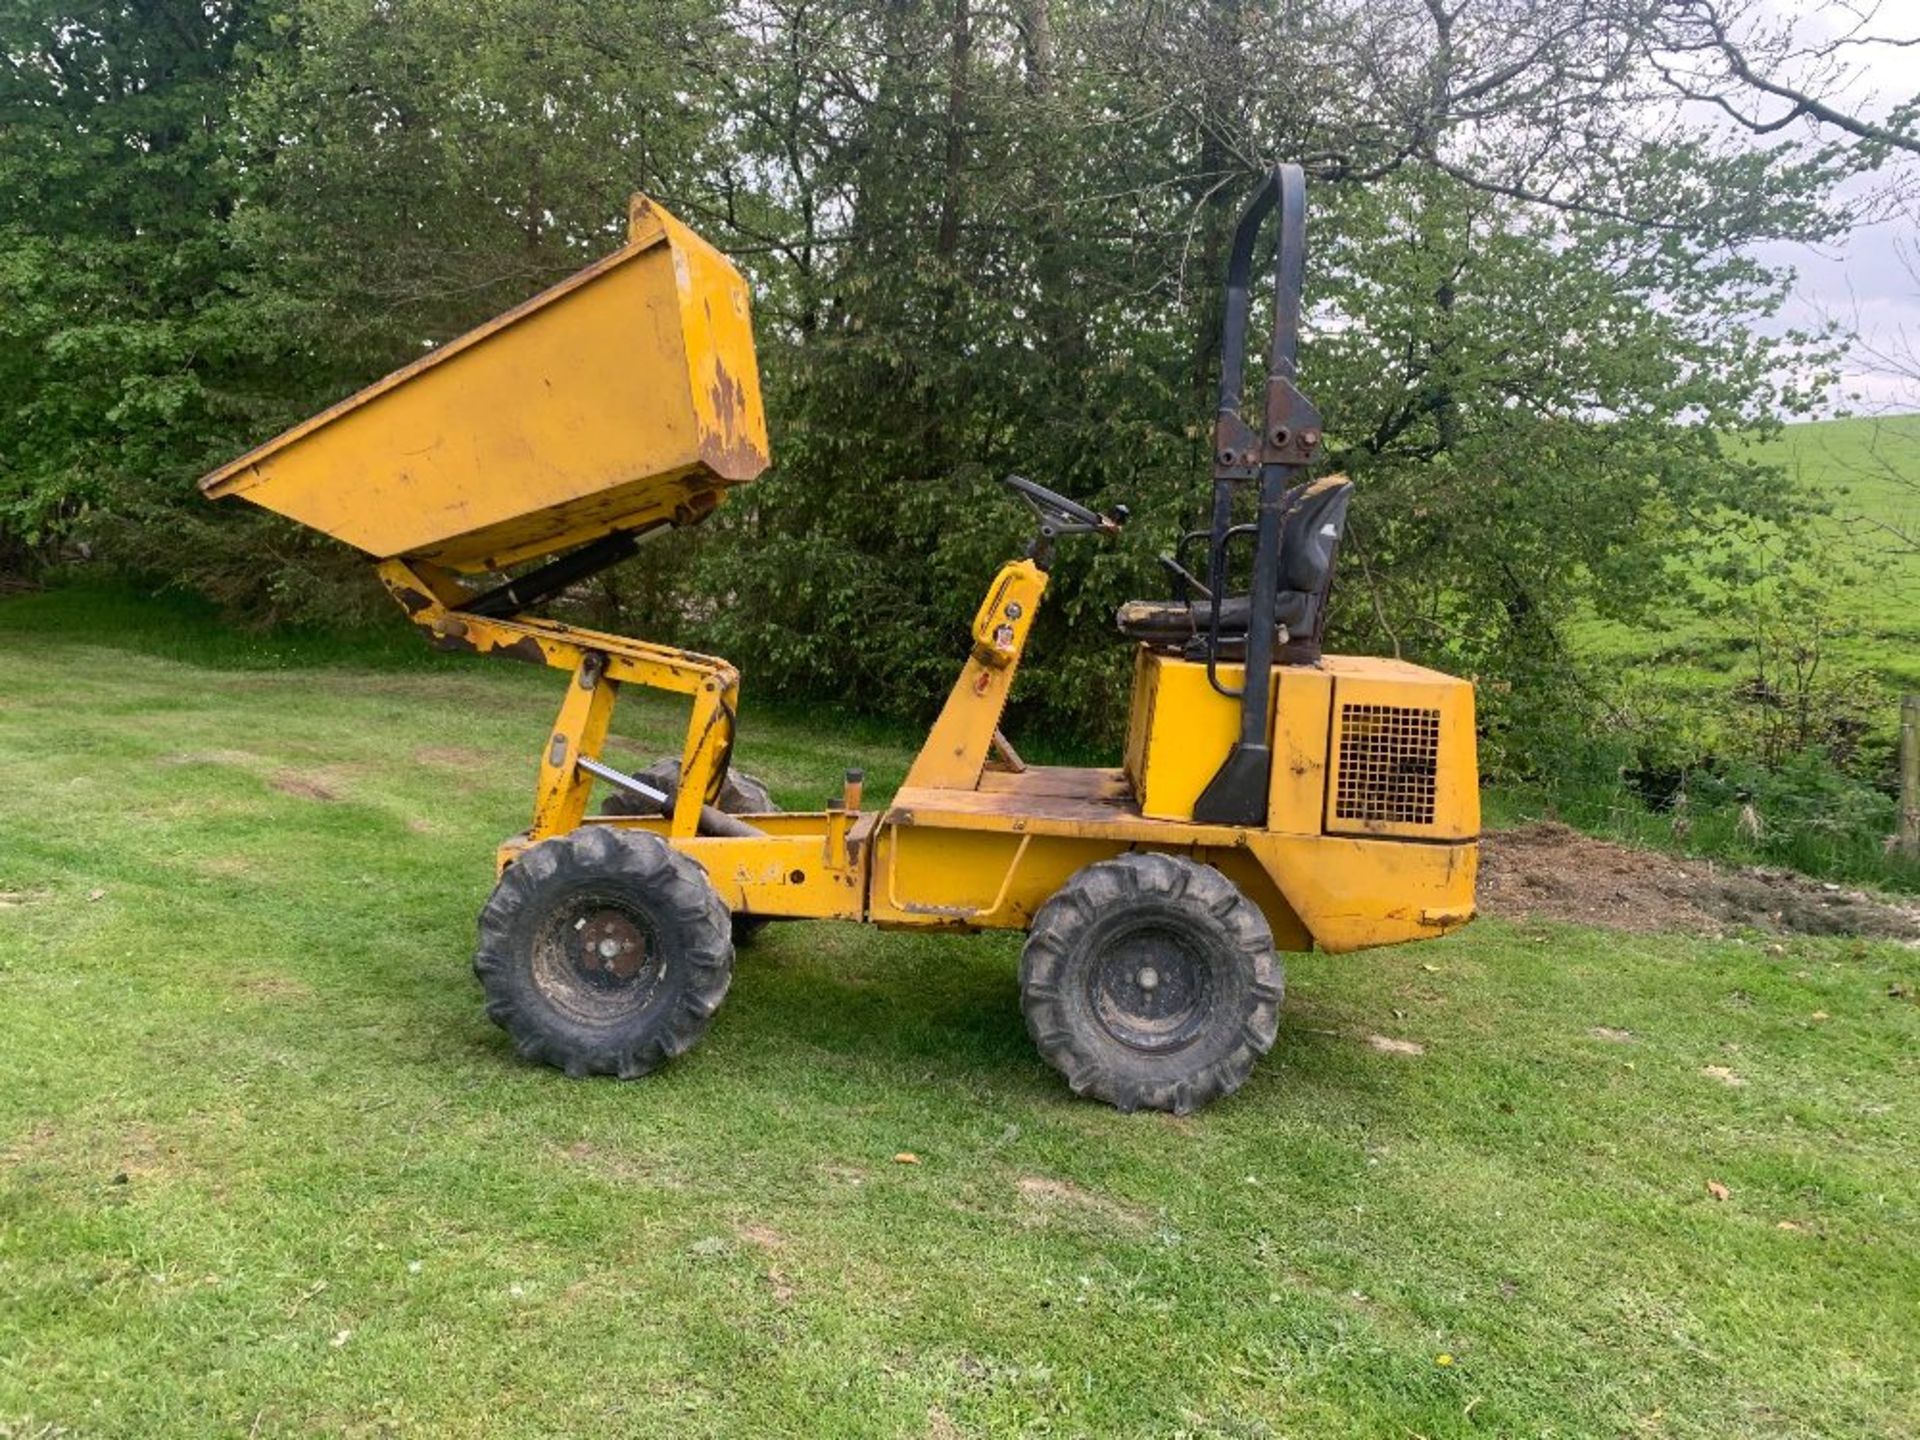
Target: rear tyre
1150,982
604,952
740,794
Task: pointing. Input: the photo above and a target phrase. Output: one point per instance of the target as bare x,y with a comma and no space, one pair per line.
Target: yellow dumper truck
1271,798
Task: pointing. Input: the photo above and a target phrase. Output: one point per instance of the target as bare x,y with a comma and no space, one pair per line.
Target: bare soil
291,782
1045,1194
1553,872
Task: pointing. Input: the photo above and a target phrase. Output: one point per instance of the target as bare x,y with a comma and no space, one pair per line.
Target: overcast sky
1870,281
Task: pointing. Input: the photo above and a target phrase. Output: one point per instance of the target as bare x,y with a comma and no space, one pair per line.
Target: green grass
265,1169
1865,476
1868,472
83,607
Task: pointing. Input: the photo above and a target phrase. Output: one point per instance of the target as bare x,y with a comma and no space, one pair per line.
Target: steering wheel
1061,516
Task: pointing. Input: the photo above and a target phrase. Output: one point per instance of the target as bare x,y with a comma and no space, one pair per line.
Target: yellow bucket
625,397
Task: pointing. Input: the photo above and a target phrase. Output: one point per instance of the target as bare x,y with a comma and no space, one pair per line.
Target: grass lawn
266,1170
1866,475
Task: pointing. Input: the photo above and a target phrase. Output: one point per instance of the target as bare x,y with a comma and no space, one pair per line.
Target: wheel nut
1148,977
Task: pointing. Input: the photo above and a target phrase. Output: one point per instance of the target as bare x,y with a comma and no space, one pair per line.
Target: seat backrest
1311,540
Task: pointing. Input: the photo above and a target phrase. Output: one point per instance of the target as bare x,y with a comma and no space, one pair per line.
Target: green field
1865,476
265,1170
1867,472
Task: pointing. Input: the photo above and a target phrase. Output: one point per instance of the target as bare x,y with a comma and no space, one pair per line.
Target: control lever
1184,579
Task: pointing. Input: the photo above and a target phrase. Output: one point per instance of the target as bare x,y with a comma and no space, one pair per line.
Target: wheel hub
1149,991
611,947
598,960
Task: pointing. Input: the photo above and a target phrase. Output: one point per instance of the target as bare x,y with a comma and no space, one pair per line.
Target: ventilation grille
1388,756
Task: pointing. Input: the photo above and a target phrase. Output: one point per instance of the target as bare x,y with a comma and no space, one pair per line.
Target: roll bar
1287,442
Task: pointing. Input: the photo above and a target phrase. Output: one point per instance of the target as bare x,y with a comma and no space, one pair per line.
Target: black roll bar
1288,442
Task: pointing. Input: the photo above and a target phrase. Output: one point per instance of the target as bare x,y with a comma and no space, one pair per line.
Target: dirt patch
1043,1194
1387,1045
1553,872
457,757
112,1155
611,1165
241,758
31,1145
291,782
763,1236
273,987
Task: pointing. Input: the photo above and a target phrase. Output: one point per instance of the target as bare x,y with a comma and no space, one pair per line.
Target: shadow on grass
897,1014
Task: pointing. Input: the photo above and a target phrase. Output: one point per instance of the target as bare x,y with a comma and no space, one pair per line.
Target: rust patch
525,648
411,600
731,454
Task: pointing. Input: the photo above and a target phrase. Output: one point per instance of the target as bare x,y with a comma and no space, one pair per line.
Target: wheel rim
599,959
1149,990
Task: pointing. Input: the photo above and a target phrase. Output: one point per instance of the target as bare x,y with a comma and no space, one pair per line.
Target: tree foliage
985,235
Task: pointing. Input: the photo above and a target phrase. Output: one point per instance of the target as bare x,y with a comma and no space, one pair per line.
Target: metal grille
1388,757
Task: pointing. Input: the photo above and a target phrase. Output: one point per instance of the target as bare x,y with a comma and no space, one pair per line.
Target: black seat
1315,519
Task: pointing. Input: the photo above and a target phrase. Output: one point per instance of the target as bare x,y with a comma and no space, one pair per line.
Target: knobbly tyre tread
1237,941
644,870
740,794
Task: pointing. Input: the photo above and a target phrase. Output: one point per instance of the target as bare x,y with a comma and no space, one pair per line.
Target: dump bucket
625,396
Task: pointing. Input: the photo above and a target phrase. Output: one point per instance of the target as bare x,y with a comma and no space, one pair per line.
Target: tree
983,237
117,184
1533,326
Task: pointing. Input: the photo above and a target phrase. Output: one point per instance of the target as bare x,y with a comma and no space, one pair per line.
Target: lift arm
437,602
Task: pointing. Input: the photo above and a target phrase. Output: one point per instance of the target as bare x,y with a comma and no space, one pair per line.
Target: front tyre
604,952
1150,982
